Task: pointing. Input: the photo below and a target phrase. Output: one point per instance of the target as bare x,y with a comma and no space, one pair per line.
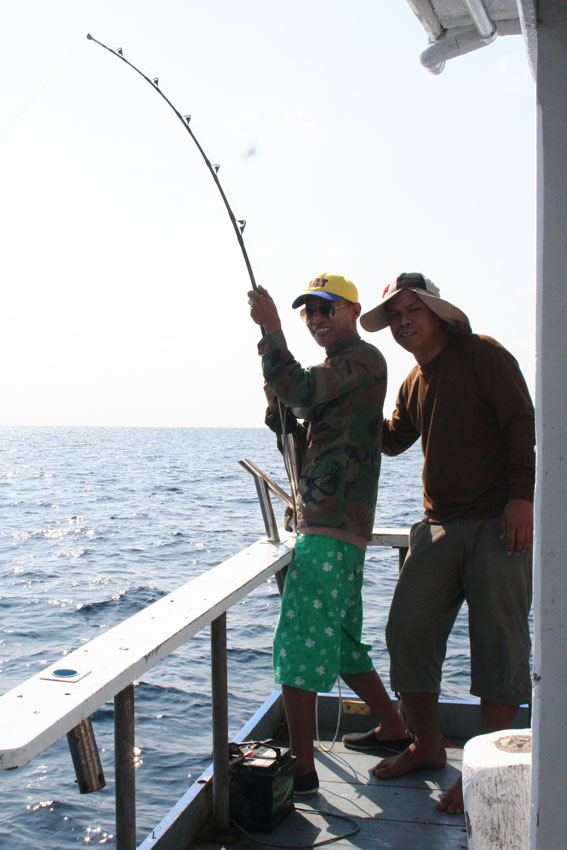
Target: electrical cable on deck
314,844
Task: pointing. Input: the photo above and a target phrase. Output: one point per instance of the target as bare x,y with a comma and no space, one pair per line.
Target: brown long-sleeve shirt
473,411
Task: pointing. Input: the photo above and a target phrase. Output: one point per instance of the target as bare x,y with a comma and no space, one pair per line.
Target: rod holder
86,760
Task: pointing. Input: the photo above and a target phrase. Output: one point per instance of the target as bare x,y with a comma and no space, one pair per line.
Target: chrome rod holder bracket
264,486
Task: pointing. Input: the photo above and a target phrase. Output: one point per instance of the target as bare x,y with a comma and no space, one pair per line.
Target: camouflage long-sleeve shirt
342,401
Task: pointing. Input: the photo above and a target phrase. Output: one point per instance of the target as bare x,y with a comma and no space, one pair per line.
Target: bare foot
412,758
452,801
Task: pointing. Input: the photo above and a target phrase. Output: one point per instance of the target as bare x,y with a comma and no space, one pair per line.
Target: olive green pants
448,563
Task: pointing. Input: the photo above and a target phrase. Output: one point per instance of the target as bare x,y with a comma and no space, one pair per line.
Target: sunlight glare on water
96,524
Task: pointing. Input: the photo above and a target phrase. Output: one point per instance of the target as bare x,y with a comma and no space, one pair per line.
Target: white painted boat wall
550,597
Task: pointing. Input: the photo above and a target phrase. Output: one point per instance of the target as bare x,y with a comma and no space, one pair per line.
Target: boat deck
397,814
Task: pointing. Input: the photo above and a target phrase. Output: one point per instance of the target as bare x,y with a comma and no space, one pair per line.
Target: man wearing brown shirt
467,400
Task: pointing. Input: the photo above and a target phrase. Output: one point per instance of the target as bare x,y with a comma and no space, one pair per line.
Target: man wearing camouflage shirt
318,635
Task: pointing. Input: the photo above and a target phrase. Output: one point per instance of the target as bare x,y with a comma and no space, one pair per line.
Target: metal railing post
125,788
402,552
220,723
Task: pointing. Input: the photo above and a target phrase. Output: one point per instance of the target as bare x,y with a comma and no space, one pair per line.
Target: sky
123,286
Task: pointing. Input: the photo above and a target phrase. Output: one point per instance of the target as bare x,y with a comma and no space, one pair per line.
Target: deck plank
395,814
302,829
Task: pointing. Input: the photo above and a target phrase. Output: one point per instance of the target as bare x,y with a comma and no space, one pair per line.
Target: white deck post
550,589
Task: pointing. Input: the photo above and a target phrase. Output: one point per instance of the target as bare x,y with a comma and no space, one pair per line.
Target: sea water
96,524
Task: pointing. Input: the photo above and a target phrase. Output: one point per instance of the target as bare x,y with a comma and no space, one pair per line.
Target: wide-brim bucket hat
377,318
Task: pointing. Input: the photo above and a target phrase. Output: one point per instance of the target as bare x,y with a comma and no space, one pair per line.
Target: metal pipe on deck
267,510
125,789
270,524
263,485
220,723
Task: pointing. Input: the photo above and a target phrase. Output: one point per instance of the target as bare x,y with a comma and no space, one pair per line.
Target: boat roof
454,27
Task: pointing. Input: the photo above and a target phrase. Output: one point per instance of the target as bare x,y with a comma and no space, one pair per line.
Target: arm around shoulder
399,432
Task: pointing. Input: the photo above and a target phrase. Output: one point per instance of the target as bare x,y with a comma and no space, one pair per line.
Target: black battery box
260,784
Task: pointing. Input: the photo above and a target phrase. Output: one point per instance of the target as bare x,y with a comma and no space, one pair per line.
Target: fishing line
41,89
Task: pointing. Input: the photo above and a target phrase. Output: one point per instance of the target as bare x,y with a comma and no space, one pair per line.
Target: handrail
50,704
38,712
45,707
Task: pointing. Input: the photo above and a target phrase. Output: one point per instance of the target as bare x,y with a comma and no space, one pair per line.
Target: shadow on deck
394,814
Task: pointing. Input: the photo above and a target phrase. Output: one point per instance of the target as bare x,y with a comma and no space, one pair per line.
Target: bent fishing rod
238,224
289,452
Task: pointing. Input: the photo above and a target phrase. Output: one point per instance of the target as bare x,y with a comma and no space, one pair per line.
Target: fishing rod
238,224
289,449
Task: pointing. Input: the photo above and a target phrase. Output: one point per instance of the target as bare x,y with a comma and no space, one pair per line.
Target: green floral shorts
320,623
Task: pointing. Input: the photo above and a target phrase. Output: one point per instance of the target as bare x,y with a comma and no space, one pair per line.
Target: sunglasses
327,309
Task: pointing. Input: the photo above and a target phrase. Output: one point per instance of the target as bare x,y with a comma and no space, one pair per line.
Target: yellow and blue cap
331,287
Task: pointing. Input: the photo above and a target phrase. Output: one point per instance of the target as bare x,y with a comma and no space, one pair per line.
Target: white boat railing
60,699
